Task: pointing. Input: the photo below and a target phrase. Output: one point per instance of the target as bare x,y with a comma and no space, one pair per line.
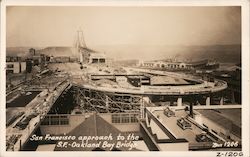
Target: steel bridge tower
80,44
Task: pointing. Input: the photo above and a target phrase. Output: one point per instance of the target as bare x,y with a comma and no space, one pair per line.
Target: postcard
141,78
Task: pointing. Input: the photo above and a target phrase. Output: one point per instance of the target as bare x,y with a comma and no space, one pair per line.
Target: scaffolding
105,102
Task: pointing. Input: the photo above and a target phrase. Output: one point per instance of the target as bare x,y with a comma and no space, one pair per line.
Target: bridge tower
80,44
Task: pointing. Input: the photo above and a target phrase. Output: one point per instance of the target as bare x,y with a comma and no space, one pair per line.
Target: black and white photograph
133,78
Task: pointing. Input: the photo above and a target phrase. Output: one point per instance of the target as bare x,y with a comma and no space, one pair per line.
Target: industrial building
89,56
15,67
176,65
15,64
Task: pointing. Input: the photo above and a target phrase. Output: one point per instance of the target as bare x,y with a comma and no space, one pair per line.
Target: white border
245,70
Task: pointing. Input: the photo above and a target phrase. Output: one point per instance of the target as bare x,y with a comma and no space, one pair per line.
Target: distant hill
50,51
59,51
19,51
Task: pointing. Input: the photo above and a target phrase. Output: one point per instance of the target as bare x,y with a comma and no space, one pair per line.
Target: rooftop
96,126
228,119
171,124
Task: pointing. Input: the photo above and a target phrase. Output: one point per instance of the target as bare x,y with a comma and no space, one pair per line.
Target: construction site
169,110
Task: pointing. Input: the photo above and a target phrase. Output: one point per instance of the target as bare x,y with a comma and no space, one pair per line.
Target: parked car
169,113
202,137
183,124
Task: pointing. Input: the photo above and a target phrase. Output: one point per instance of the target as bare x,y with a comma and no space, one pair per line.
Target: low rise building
177,65
15,67
89,56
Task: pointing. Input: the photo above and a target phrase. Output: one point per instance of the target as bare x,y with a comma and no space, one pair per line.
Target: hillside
58,51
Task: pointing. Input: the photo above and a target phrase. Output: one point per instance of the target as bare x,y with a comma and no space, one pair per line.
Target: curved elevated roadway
203,87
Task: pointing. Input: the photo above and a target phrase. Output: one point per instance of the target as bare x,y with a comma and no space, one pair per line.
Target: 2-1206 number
229,154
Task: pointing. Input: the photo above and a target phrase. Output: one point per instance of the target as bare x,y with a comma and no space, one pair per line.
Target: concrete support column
208,101
147,120
232,97
191,112
171,102
221,101
107,102
179,102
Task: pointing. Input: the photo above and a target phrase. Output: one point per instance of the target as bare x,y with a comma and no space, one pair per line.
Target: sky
42,26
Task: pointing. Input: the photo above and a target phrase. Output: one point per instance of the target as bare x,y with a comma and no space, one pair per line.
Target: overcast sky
57,26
